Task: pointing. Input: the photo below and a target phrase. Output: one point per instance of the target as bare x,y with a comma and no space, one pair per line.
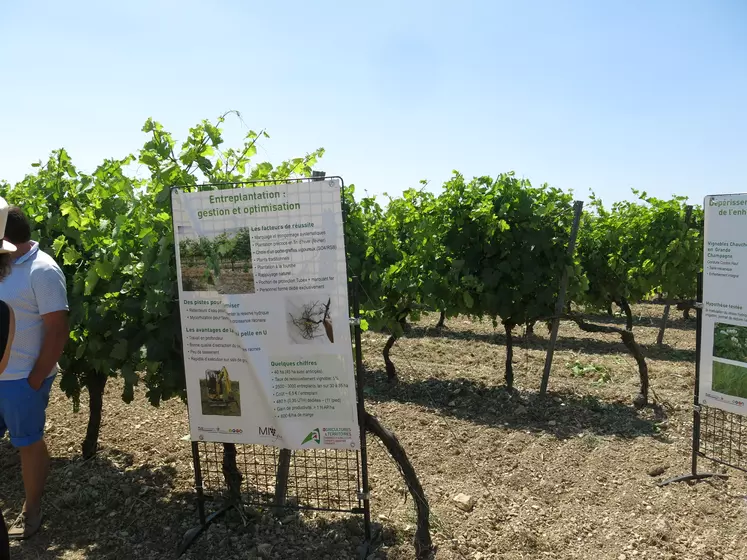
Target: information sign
265,317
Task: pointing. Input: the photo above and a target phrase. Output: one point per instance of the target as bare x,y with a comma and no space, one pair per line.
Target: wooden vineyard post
664,318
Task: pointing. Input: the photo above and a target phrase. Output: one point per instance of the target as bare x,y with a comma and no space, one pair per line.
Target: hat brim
7,247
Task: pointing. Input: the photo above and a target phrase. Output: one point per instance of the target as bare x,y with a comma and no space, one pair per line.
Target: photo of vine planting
730,342
222,264
309,319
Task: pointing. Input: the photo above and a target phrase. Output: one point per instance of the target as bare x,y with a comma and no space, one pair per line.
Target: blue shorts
23,411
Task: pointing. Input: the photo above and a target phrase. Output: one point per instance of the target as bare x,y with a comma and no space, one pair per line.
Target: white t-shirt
35,286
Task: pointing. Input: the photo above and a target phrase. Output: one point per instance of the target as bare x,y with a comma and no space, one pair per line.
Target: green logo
313,436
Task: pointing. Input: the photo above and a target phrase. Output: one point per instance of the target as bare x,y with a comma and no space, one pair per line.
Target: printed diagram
309,319
219,263
219,395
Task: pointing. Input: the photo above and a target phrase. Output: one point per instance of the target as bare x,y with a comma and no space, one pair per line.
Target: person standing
7,334
36,290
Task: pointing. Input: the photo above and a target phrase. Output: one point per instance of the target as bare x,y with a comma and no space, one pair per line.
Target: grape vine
489,247
112,234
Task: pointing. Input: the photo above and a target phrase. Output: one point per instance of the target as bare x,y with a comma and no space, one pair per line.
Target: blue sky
602,95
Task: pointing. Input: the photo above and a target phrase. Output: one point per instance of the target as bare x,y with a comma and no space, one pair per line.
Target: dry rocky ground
573,477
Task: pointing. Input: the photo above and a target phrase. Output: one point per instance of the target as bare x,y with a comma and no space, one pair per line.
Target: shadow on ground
674,322
564,342
560,414
108,508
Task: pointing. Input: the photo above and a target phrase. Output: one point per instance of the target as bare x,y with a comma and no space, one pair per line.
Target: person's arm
50,290
56,333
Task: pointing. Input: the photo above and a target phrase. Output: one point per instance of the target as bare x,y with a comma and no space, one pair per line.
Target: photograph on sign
218,395
262,279
309,319
723,357
217,262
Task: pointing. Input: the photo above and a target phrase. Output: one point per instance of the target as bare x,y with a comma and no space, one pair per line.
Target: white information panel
723,358
264,315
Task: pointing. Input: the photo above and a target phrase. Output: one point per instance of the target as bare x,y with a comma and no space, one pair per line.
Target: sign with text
723,355
264,313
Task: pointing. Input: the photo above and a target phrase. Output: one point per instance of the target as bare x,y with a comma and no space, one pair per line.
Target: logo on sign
268,432
314,436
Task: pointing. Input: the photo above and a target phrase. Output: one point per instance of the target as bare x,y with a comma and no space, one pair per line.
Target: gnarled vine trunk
686,307
441,321
623,304
391,371
423,543
95,383
231,473
628,339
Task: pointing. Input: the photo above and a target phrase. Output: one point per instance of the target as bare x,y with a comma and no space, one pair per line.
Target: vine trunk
423,544
95,383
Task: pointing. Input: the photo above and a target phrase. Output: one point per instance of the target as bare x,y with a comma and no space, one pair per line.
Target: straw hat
6,246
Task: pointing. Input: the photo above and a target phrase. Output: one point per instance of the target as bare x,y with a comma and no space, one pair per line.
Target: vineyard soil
568,479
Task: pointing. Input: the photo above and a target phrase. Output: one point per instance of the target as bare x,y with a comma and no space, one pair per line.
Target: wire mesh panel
319,479
722,437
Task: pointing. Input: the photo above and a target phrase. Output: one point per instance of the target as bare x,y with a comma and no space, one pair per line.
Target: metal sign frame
717,435
320,479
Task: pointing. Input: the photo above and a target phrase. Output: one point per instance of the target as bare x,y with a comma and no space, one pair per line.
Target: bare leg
34,467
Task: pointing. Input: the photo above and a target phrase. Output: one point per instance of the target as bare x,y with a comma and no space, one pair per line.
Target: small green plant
578,369
590,441
604,376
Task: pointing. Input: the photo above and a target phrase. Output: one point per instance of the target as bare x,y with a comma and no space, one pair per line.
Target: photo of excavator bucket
221,391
